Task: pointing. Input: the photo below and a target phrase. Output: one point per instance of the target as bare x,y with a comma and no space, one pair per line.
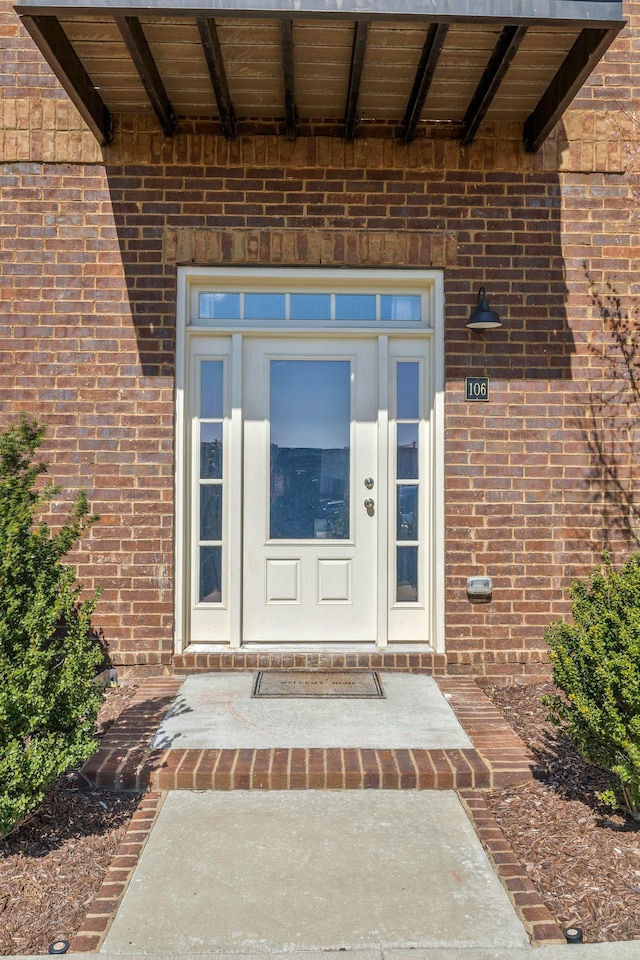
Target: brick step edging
290,769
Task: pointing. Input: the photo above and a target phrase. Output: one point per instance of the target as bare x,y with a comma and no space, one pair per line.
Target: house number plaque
477,388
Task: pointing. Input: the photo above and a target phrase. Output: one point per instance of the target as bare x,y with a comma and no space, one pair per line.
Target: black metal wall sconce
482,318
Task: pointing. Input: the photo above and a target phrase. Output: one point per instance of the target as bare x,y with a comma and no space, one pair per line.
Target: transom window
314,308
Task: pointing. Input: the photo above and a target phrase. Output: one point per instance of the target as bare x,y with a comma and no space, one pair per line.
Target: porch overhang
424,67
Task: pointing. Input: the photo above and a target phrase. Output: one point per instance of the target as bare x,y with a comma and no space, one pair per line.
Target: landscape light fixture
482,318
59,946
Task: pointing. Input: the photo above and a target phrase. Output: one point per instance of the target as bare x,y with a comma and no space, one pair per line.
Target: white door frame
192,282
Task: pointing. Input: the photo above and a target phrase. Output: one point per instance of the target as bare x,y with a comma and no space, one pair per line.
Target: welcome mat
312,683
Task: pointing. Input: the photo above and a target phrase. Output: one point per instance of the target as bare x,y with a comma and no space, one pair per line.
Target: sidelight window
210,480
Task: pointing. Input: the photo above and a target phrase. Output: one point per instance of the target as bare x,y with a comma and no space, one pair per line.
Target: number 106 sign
477,388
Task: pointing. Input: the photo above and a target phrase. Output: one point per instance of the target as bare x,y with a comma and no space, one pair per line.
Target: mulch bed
584,859
52,866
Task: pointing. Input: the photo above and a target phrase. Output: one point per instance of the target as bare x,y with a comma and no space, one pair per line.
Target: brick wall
89,244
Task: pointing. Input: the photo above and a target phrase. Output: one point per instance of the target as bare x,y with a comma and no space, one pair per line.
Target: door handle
369,503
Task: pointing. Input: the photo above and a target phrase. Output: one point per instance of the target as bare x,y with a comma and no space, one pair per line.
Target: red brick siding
87,326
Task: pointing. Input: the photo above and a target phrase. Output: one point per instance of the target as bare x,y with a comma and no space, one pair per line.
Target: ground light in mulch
59,946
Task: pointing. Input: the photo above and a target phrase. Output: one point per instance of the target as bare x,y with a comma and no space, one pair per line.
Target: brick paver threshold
126,762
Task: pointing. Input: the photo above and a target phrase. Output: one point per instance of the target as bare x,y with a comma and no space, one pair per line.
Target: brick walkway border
536,918
126,762
102,910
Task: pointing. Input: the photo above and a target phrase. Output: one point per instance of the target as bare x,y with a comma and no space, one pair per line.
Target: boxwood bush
596,665
48,656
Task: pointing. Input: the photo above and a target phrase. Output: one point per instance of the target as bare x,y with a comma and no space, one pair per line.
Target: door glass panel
407,453
356,306
264,306
310,306
211,394
219,306
407,575
408,512
210,575
403,309
310,449
211,451
211,512
408,390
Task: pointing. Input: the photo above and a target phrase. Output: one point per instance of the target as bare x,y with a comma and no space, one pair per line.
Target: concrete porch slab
264,873
216,711
126,760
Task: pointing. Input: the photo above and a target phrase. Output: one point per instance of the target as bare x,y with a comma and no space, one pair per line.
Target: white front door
310,544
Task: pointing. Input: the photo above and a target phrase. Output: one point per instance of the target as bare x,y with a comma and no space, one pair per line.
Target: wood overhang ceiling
345,62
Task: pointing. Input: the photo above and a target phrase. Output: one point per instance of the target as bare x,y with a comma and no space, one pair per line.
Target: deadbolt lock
369,483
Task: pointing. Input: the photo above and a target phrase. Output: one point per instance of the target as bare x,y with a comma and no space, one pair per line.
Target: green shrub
48,657
596,664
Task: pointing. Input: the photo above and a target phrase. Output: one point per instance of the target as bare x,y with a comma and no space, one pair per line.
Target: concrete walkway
274,872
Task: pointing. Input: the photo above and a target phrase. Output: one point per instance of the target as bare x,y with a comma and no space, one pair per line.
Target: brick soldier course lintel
126,761
310,247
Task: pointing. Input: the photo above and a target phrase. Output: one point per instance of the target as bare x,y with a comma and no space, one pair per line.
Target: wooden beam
136,42
360,35
218,74
499,62
578,65
431,51
291,114
57,50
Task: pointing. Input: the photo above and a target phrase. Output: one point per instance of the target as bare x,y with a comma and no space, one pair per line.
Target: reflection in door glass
404,309
310,449
211,451
407,452
408,512
211,511
210,575
407,575
219,306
